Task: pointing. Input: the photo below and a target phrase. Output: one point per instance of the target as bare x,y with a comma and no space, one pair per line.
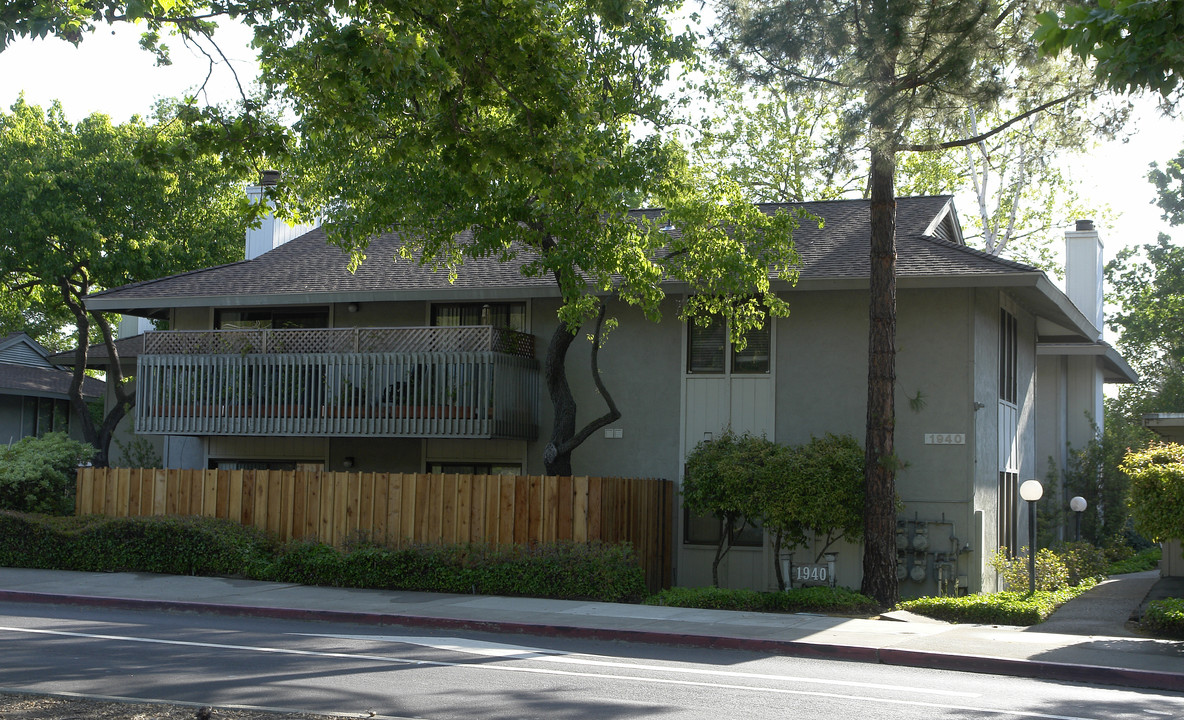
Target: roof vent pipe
1085,225
269,178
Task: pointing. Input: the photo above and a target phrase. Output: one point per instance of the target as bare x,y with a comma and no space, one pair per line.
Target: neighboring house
287,360
34,392
1170,428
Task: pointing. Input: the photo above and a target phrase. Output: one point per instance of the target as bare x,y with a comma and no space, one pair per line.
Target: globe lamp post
1031,490
1077,505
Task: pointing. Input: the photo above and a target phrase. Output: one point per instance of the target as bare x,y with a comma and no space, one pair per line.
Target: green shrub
809,599
1083,561
1145,559
1165,617
1005,608
172,545
1051,573
37,474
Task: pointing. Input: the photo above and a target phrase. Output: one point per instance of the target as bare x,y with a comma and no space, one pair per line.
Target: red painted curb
1126,677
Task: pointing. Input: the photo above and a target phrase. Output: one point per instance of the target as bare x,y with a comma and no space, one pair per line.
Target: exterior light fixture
352,307
1078,506
347,462
1031,491
708,437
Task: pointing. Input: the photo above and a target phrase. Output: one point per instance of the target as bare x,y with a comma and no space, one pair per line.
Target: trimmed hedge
208,546
1002,608
809,599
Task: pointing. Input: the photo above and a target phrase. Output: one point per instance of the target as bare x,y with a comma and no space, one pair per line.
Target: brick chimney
1083,271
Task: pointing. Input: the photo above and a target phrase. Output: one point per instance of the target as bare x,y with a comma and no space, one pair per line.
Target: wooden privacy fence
398,507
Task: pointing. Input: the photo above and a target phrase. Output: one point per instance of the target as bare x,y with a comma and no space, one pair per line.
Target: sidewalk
1069,654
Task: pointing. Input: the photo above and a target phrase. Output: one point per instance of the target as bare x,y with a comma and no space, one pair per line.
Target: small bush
1165,617
1145,559
1005,608
1051,573
809,599
37,473
1083,561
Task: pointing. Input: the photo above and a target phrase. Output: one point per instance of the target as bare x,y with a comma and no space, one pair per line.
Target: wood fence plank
262,497
493,495
448,489
595,509
527,518
435,505
410,506
394,509
464,509
119,498
328,508
179,492
249,498
341,508
235,496
133,492
382,486
423,485
197,494
296,529
160,484
365,518
84,483
209,485
508,509
171,490
312,511
579,509
99,494
275,501
550,509
565,500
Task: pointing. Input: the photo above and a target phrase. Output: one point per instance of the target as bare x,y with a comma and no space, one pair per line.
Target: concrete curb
934,660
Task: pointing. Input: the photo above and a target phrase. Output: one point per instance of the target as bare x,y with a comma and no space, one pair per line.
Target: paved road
394,672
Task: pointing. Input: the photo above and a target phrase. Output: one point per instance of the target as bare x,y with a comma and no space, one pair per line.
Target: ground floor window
297,465
706,529
474,468
40,415
1008,513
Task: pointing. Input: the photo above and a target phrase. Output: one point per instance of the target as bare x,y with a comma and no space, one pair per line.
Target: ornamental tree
812,491
1157,490
96,205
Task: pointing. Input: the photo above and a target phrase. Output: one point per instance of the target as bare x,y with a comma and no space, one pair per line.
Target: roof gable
20,349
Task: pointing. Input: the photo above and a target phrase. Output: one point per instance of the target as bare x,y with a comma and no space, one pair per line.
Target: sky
109,73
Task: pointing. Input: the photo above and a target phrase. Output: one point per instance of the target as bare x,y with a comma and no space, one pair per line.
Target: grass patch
1146,559
1003,608
809,599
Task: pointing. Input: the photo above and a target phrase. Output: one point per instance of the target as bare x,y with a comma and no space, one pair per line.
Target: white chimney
271,232
1083,271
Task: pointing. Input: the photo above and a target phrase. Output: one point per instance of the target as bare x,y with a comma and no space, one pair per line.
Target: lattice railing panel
340,340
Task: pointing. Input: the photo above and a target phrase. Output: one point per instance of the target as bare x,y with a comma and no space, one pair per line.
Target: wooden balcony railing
299,383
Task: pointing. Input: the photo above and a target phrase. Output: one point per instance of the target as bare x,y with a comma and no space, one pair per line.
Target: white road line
541,671
519,652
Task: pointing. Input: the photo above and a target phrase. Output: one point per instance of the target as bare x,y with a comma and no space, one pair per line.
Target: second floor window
508,316
710,351
271,318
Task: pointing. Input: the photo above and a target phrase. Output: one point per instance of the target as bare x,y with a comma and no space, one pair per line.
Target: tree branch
930,147
613,413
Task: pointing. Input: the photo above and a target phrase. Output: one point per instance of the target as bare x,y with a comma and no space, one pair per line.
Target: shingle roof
308,266
43,381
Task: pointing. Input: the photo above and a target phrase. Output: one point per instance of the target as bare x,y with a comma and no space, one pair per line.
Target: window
40,415
1008,358
1008,501
474,468
271,318
297,465
707,349
508,316
705,530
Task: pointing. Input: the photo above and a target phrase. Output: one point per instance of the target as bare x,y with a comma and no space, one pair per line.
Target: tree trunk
879,555
564,438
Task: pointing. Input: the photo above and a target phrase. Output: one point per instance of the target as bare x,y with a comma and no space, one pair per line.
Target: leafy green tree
96,205
812,491
1134,44
914,69
1157,490
37,473
481,129
722,479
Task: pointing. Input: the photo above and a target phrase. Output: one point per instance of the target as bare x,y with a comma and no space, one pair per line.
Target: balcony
443,382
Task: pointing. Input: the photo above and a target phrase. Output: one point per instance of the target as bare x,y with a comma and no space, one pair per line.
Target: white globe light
1031,490
1077,504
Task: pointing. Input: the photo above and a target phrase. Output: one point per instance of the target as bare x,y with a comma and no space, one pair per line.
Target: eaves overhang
1114,366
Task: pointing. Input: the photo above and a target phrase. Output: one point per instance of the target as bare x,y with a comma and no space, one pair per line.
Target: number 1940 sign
803,574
